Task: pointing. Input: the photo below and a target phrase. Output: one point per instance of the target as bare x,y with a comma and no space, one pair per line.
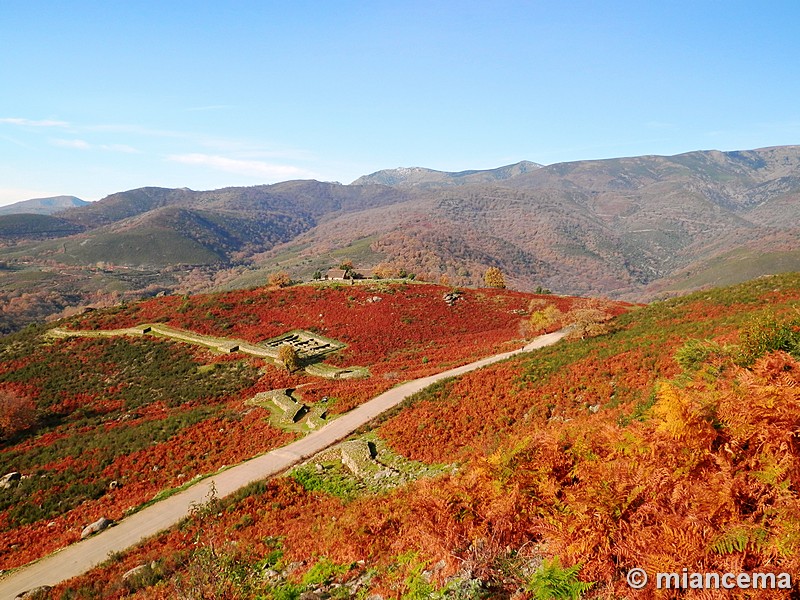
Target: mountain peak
428,178
42,206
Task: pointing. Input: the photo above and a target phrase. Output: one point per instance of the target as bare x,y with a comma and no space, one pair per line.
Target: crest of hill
631,228
42,206
429,178
159,226
307,198
737,180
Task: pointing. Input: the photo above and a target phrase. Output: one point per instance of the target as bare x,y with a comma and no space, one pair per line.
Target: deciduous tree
289,357
494,278
17,413
280,279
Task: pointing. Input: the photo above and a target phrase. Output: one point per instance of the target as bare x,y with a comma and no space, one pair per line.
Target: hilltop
661,444
42,206
419,177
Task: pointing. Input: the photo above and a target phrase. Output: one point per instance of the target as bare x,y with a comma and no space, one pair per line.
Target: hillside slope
22,226
663,445
623,227
100,422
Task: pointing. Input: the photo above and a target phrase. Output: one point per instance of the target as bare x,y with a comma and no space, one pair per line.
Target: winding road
84,555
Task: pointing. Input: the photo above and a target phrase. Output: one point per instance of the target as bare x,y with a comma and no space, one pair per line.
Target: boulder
9,478
37,592
141,569
97,526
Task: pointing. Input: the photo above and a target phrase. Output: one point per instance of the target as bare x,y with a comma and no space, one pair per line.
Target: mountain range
631,228
42,206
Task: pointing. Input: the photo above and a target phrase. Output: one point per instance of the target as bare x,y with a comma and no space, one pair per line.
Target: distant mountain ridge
628,227
42,206
159,227
430,178
631,228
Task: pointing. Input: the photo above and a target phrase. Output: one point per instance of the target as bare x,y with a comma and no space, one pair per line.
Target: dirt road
82,556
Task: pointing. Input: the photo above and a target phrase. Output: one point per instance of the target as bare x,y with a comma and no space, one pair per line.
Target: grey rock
135,571
37,592
99,525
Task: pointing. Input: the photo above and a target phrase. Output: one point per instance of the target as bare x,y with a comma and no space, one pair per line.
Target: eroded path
82,556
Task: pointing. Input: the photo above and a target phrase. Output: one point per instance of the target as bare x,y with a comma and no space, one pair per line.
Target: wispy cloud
119,148
137,130
33,123
251,168
84,145
14,141
211,107
76,144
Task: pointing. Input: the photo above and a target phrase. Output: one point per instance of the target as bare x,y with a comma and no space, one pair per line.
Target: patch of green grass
385,471
332,481
324,571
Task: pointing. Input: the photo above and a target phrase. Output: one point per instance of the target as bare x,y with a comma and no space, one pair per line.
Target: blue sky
102,97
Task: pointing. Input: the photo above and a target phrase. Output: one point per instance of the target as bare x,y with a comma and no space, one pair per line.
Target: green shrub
766,334
324,572
553,582
694,353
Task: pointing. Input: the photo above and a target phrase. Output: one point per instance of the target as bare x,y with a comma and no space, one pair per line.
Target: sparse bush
494,278
768,334
384,271
551,581
17,413
694,353
280,279
289,357
588,322
540,320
